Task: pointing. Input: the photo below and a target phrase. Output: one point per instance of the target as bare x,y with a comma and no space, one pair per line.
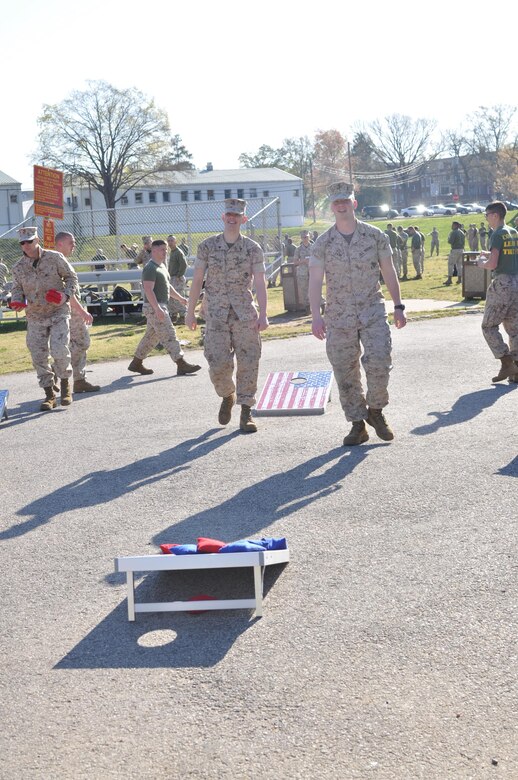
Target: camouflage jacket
52,272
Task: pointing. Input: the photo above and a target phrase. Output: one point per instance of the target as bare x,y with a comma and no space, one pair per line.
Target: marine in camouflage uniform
434,244
39,275
159,328
351,255
144,256
177,266
80,320
417,250
482,233
456,240
402,245
232,264
502,294
301,263
394,241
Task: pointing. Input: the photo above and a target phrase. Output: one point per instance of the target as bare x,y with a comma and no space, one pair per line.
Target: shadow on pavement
465,408
172,639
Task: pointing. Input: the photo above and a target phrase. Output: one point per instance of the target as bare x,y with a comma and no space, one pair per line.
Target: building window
166,197
152,197
139,197
210,194
13,198
266,193
240,193
197,194
296,193
88,202
184,196
228,194
124,200
253,192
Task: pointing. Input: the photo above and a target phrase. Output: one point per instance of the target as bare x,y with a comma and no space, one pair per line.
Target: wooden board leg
258,587
131,595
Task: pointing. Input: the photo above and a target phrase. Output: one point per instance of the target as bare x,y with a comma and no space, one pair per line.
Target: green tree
109,138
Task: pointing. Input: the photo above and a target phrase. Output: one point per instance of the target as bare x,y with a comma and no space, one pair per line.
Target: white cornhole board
144,563
295,392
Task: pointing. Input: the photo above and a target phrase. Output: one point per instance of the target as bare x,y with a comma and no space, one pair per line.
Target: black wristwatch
400,306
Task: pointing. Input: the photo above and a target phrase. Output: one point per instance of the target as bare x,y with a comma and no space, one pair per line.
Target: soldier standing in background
44,282
402,245
415,246
144,256
434,244
482,232
456,240
233,264
177,266
301,263
351,255
393,240
80,320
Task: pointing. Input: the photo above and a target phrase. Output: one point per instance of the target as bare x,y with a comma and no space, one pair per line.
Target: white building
176,188
11,212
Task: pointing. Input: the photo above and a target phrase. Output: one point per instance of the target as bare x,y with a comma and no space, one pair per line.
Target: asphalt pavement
388,645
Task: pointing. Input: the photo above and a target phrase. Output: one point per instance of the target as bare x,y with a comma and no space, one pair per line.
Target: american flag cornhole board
295,392
4,395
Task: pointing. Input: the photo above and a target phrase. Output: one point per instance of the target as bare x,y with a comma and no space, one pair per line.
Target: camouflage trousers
175,307
344,350
404,261
434,246
455,259
45,338
502,309
396,259
158,332
222,341
416,258
79,343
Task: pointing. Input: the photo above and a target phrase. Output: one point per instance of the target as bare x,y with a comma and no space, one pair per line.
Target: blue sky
234,77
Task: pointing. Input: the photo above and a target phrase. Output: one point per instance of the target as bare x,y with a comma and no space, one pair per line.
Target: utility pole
312,189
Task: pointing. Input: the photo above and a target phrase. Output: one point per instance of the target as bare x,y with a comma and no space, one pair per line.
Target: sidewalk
429,304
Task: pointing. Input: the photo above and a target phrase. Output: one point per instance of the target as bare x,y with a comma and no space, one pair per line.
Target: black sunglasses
29,241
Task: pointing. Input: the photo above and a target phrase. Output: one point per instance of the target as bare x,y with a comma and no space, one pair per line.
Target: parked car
417,211
475,208
439,208
459,208
381,212
510,205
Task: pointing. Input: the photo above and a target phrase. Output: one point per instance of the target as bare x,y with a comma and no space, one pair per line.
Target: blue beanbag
243,545
184,549
274,543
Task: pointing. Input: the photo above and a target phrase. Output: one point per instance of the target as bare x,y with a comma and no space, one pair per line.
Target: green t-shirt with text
505,239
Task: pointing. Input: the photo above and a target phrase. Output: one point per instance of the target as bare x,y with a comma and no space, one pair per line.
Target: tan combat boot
357,435
66,393
185,368
376,418
82,386
50,400
225,410
138,367
246,422
509,368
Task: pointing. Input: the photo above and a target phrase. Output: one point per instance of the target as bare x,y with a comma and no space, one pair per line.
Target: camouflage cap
146,239
28,234
235,206
341,190
304,233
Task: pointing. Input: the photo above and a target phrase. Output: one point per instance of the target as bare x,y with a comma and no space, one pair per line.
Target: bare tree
108,137
399,140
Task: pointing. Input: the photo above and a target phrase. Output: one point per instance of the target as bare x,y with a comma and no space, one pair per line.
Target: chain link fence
117,233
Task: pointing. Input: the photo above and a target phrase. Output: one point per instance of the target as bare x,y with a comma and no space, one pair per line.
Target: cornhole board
295,392
4,395
145,563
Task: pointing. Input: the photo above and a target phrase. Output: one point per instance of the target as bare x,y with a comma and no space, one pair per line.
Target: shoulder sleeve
149,272
202,256
316,258
257,258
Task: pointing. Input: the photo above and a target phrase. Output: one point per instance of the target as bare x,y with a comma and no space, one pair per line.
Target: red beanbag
17,306
209,545
54,296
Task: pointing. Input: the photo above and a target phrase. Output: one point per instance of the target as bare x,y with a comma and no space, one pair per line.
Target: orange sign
48,192
48,234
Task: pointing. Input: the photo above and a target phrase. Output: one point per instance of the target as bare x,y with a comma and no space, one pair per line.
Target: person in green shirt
157,291
502,293
456,240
